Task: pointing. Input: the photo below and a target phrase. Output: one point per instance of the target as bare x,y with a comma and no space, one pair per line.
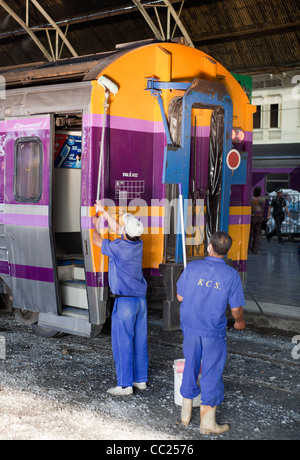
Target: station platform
272,289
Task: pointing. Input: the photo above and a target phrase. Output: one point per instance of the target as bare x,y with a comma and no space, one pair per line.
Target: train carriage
177,117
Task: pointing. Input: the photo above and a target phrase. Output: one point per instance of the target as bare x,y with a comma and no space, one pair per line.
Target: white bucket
178,371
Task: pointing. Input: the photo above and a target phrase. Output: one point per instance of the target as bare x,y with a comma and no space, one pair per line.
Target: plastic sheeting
290,225
175,120
213,212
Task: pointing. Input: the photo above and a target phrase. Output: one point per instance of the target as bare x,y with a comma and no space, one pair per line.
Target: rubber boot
186,411
208,422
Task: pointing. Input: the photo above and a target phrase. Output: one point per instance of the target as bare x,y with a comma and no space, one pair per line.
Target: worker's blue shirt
207,286
125,273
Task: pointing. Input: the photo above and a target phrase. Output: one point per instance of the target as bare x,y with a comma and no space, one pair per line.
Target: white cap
133,226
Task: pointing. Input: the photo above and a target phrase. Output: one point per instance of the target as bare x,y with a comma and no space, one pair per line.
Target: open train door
28,216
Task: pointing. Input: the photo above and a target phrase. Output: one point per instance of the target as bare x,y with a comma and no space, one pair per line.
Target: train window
28,160
277,180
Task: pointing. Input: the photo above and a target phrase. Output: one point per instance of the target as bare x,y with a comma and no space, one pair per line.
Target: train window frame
19,172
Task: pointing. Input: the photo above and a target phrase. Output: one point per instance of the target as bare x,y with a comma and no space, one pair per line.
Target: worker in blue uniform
205,288
128,285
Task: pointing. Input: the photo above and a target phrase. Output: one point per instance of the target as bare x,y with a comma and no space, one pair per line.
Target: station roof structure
246,36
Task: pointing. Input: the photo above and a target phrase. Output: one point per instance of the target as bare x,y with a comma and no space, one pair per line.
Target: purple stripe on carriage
32,273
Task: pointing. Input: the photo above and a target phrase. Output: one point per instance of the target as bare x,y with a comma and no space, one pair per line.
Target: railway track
103,342
163,352
261,380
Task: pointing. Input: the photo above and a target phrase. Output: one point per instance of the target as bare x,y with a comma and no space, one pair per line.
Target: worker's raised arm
97,240
112,222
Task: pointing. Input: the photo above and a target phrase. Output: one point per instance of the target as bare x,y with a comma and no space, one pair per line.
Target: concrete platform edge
274,317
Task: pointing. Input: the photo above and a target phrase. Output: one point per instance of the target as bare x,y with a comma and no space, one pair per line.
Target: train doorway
66,213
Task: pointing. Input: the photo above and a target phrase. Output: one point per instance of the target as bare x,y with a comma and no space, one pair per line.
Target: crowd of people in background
268,216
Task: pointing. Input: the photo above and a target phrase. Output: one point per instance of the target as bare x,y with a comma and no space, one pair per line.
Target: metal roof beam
28,30
255,30
87,17
179,23
159,34
56,27
149,21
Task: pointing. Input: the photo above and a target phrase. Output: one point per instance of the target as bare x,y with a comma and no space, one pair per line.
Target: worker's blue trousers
211,354
129,340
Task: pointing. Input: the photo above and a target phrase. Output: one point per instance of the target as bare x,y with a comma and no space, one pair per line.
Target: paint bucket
178,371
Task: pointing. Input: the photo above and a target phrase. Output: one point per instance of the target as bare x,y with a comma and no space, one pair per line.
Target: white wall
288,97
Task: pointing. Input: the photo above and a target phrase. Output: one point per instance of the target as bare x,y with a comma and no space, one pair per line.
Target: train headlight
238,135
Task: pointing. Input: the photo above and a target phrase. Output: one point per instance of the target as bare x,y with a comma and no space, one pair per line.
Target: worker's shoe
186,411
120,391
208,422
140,385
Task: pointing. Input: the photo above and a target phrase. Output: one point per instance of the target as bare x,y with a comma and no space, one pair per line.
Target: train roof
41,73
83,68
